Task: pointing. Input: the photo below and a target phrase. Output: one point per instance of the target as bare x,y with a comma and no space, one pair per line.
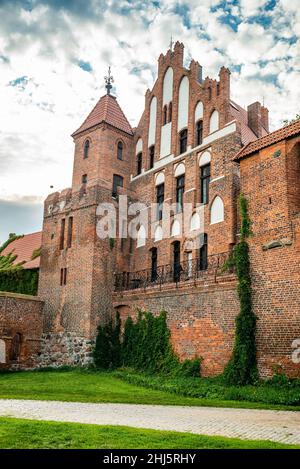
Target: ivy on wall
242,367
13,278
144,345
23,281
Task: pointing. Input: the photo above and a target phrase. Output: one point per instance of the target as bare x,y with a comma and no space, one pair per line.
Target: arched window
158,233
139,161
120,151
199,132
217,211
16,347
214,122
165,113
176,228
170,112
141,237
183,141
195,222
86,149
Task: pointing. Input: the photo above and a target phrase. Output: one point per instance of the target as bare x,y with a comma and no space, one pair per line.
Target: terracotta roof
240,114
23,248
106,110
274,137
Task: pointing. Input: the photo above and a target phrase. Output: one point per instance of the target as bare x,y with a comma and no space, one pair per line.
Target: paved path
281,426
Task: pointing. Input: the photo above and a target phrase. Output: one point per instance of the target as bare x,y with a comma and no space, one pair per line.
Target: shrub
144,346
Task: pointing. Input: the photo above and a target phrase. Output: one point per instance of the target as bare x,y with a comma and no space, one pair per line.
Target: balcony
188,271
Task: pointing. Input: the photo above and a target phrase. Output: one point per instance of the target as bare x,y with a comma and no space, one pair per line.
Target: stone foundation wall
65,349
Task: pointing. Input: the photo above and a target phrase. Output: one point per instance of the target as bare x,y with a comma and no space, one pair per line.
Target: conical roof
106,110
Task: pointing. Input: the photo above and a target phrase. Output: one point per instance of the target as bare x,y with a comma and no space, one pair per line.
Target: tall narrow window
165,114
151,156
203,257
204,184
62,234
139,161
120,151
209,93
117,182
86,149
170,112
153,264
199,132
176,261
63,276
84,179
179,193
183,141
160,195
70,232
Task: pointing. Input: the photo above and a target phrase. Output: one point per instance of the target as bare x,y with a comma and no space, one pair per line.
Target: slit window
86,149
62,234
70,232
120,151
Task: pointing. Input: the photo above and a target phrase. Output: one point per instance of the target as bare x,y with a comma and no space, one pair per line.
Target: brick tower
77,267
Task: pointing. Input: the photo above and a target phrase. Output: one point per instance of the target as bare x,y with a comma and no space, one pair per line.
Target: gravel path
280,426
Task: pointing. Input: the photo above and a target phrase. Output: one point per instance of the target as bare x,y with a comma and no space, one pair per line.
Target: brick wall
201,318
269,182
20,314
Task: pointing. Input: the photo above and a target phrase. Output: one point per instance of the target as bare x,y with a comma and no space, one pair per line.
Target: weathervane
171,42
109,80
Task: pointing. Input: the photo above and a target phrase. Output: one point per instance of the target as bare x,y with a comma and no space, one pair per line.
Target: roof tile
269,139
106,110
23,248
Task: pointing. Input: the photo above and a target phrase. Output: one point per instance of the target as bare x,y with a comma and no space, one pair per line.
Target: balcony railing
212,267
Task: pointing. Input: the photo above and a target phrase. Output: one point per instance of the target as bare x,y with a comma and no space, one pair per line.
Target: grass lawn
92,386
33,434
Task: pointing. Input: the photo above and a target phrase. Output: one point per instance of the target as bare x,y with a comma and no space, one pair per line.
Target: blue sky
54,54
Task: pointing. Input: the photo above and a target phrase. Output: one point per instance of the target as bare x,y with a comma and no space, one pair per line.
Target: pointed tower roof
106,110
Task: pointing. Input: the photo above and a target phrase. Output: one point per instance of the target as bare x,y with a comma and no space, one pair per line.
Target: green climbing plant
144,345
242,367
13,277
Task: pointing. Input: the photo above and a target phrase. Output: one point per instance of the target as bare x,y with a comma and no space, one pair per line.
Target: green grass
23,434
78,385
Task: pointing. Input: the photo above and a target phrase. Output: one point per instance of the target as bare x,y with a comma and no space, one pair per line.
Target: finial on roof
171,43
108,80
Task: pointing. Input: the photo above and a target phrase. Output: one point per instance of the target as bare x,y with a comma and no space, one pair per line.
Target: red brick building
197,149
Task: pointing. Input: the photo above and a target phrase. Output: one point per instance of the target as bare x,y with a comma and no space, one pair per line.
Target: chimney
265,118
255,118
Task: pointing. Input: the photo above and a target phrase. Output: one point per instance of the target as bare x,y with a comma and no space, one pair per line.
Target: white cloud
45,45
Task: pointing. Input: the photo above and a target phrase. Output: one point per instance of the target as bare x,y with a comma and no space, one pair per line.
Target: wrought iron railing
212,266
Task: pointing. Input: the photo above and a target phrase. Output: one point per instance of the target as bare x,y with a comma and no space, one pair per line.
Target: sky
54,55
